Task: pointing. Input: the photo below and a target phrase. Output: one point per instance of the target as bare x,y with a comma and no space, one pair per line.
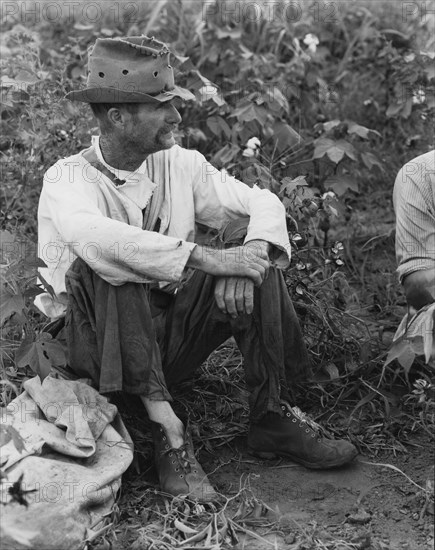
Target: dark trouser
139,340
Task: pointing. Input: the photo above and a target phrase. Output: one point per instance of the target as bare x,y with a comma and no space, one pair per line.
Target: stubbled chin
168,142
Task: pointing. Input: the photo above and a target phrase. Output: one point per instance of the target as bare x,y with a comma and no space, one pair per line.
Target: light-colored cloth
75,450
82,213
414,204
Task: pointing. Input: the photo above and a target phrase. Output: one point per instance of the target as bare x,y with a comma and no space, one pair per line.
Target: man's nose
173,116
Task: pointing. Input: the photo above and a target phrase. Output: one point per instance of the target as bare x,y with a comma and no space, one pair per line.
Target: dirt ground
369,504
363,503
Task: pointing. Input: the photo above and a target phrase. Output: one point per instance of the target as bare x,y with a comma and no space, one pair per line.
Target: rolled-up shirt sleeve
220,198
414,205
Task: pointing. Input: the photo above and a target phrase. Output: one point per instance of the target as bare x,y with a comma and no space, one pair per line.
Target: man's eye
177,103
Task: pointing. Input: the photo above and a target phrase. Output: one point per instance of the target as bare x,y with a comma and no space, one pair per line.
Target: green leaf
218,126
8,245
10,304
335,154
430,71
288,185
340,184
332,370
47,286
366,399
225,155
400,107
322,145
335,150
406,359
34,261
32,291
276,100
285,137
331,124
403,352
370,160
40,355
248,111
26,78
360,131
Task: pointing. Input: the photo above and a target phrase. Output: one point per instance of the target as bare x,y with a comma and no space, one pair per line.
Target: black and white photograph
217,274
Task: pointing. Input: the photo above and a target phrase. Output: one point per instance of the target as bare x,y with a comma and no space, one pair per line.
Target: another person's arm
414,204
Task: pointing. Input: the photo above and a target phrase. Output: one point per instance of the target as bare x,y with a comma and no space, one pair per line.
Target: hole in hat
101,75
155,73
125,71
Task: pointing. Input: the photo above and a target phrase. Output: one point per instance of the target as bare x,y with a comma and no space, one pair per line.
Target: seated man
144,305
414,204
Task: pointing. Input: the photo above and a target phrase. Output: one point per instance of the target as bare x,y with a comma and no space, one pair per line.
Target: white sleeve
220,198
121,252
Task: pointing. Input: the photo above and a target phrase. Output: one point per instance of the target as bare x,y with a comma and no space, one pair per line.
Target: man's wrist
264,245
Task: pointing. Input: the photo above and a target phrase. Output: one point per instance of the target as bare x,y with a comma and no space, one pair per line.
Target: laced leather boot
297,437
178,470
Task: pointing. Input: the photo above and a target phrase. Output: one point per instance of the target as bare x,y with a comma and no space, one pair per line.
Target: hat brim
115,95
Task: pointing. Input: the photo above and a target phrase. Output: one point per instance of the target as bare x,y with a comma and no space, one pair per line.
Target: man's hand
235,295
250,260
419,288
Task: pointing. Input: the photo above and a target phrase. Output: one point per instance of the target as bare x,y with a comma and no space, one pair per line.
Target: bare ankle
162,413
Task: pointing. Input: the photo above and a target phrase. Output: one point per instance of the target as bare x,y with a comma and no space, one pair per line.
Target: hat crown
133,64
135,69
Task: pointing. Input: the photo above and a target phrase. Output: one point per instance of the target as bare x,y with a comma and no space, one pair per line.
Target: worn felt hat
135,69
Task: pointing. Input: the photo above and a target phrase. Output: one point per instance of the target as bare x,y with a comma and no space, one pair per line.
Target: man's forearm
250,260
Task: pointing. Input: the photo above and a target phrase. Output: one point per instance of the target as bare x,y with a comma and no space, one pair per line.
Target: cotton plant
252,147
311,41
414,336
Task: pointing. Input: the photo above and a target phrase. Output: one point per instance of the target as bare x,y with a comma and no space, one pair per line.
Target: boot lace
304,420
180,459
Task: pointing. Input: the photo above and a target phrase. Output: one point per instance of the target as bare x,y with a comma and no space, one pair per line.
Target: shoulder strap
91,157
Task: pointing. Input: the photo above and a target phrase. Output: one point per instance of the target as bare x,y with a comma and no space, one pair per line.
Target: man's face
151,128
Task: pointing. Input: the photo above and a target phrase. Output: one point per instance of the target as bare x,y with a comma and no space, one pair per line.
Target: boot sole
311,465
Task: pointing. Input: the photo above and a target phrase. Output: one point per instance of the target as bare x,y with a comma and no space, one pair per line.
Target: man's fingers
240,295
219,294
262,266
230,296
256,274
235,295
249,297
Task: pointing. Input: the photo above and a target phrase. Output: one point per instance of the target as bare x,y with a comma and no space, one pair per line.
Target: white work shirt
82,213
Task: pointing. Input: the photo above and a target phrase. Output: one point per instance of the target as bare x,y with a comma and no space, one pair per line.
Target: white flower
419,97
312,42
248,152
328,195
409,57
253,143
208,91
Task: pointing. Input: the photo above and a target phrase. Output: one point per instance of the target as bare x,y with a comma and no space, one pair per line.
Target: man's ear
116,117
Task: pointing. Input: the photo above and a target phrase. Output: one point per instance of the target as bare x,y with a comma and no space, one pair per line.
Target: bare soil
368,505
